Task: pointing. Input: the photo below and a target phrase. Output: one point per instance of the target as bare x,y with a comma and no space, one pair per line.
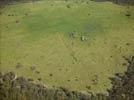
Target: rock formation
20,88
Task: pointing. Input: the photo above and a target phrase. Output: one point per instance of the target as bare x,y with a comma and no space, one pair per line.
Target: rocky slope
123,85
120,2
20,88
6,2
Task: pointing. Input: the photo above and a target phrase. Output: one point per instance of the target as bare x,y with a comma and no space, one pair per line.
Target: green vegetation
74,44
19,88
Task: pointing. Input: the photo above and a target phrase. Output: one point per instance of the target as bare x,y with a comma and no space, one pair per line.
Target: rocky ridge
20,88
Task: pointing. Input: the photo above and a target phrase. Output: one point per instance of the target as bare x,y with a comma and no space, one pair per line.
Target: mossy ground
35,42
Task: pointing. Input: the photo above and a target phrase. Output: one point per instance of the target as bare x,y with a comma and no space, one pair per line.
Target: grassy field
78,45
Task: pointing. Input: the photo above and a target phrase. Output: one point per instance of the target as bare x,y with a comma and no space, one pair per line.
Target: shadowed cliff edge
3,3
20,88
119,2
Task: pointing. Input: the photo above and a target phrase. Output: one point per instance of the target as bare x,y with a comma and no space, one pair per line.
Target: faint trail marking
69,49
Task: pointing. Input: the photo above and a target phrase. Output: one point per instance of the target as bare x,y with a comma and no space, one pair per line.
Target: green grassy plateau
75,44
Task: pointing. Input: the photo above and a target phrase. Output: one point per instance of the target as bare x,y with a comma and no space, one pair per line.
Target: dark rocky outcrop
20,88
120,2
123,85
7,2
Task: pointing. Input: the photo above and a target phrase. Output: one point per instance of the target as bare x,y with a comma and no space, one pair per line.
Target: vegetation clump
12,88
123,85
120,2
